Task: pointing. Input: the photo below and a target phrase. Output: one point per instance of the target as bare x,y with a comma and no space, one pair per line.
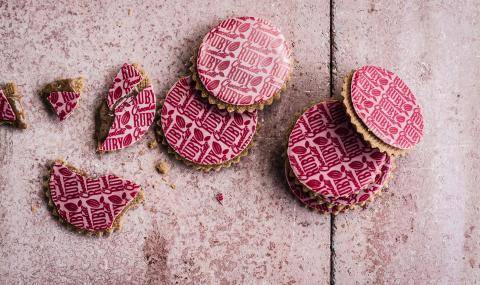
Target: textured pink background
424,230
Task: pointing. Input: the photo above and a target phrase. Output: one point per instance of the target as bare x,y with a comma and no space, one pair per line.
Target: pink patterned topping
304,197
366,193
63,103
127,78
243,61
202,133
88,203
362,196
6,111
132,120
387,107
328,156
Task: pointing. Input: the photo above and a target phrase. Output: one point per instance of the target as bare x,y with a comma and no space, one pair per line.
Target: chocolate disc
328,156
201,133
243,61
387,107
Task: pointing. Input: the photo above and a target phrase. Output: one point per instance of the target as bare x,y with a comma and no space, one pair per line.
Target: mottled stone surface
425,229
182,235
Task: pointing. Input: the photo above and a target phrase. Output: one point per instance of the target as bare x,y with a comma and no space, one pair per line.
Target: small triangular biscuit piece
128,110
11,108
63,95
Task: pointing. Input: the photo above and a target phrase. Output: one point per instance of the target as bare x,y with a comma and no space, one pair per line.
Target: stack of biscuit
341,153
209,118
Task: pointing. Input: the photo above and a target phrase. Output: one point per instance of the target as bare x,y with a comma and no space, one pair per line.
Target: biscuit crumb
34,208
152,144
162,167
173,186
129,12
219,197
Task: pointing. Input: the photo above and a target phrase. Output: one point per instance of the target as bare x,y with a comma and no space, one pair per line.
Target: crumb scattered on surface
219,197
34,208
129,12
162,167
152,144
141,152
173,186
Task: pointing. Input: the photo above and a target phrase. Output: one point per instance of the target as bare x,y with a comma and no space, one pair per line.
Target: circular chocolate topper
387,107
201,133
328,156
243,61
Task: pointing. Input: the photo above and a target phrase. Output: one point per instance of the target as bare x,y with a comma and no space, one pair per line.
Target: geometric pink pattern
63,103
388,108
91,204
6,111
243,61
200,132
328,156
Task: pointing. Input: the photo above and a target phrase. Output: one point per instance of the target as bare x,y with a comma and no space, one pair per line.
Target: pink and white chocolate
332,205
328,156
133,114
6,110
63,103
365,194
201,133
304,197
388,108
243,61
126,79
90,204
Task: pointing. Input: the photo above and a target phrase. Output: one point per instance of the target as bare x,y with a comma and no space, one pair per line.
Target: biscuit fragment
63,95
200,134
242,64
89,205
128,111
11,107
